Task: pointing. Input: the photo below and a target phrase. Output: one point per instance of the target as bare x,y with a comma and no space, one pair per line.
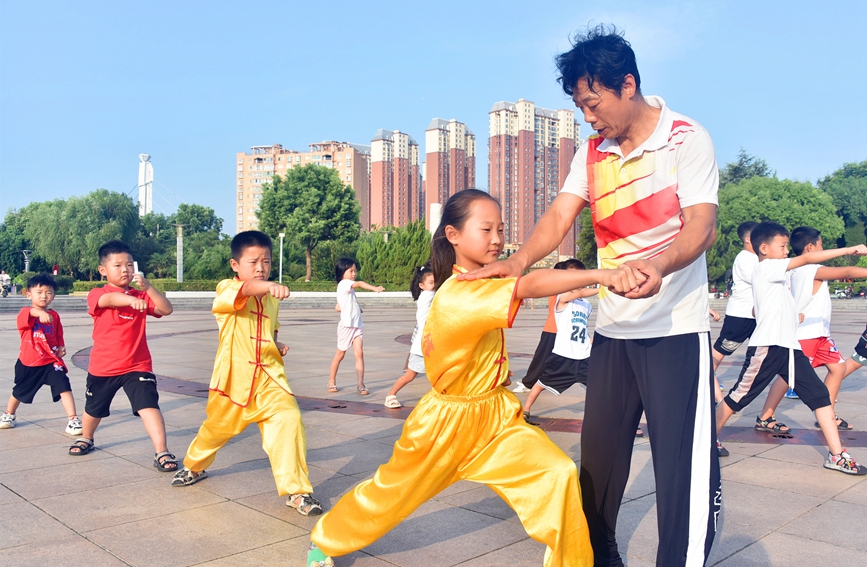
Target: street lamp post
282,235
26,259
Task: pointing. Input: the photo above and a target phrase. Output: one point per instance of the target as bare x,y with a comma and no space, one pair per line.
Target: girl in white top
349,327
422,289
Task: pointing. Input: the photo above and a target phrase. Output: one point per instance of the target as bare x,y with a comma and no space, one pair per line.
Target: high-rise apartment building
395,180
450,161
351,161
530,150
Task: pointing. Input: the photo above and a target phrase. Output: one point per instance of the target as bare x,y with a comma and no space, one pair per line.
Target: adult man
650,178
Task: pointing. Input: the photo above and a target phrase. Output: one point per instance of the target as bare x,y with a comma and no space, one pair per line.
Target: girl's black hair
418,276
455,213
342,265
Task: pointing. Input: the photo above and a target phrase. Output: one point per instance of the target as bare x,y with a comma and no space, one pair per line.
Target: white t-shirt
740,303
573,337
776,314
422,307
636,202
350,313
815,307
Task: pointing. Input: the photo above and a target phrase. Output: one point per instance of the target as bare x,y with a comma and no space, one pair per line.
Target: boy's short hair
803,236
573,264
745,229
113,247
248,239
41,279
765,232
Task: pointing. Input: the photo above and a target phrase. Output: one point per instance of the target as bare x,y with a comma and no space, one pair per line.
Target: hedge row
165,285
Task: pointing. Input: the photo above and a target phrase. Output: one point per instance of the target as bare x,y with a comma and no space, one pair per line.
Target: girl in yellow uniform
469,427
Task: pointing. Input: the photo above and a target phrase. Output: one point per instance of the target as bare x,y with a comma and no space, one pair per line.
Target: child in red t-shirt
120,357
40,360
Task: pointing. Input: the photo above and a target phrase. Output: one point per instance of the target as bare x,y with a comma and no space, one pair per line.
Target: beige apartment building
450,161
351,161
395,180
530,150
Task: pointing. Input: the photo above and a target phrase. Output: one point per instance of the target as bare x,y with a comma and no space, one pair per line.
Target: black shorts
140,389
762,365
861,347
28,380
735,331
561,373
537,365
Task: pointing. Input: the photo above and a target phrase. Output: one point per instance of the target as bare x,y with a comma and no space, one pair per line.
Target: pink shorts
346,336
821,351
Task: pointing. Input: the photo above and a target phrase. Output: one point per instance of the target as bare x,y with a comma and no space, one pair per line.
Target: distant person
809,286
55,270
249,381
774,348
422,290
40,358
469,427
120,357
5,282
349,332
568,362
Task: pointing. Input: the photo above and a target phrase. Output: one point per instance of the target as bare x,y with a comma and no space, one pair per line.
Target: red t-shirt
39,341
119,339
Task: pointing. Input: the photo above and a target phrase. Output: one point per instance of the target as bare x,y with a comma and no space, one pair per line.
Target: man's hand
284,349
621,280
652,273
507,268
41,314
278,291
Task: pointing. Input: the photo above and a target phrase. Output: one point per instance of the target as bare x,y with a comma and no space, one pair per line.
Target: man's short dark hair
745,228
113,247
42,279
248,239
598,54
802,237
765,232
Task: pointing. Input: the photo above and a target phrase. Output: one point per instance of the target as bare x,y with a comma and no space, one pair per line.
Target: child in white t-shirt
810,288
349,327
774,348
569,359
422,290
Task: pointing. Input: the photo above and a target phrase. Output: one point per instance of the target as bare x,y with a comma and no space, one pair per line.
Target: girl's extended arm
367,286
544,283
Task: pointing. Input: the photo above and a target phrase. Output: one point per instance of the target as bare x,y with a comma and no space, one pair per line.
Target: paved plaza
112,508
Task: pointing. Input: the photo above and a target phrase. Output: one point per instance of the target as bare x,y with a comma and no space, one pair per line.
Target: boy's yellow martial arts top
246,352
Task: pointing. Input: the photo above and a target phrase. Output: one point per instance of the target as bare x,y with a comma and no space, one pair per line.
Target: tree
789,203
586,241
392,261
847,188
311,204
198,218
745,167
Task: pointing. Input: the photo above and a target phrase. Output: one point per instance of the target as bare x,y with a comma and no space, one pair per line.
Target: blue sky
87,86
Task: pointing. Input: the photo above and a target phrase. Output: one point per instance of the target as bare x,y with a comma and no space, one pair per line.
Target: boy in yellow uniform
249,382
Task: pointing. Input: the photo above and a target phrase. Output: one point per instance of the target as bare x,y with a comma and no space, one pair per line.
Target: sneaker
186,477
520,388
7,421
305,504
723,452
317,558
73,427
792,395
845,464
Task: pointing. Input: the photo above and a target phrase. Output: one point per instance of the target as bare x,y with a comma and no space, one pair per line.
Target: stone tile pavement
112,508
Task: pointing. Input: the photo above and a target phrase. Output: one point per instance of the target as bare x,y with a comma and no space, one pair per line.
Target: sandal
332,387
771,425
82,446
186,477
842,424
165,462
639,432
391,402
305,504
363,390
528,420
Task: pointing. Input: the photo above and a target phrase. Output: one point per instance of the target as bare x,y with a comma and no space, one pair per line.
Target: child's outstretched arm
544,283
575,294
368,287
162,306
820,256
845,272
261,287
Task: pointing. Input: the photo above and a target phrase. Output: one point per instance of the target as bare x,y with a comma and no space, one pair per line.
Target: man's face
606,112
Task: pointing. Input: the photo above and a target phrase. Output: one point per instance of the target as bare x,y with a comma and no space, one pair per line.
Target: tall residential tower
395,180
450,161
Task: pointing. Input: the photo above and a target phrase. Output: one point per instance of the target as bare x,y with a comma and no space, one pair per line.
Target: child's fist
284,349
138,304
860,250
379,289
45,317
141,281
278,291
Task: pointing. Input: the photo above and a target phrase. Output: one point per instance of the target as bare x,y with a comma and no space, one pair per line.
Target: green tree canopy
312,205
848,190
744,167
392,260
789,203
586,240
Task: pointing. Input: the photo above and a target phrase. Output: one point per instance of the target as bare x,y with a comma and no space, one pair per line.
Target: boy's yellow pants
482,439
276,413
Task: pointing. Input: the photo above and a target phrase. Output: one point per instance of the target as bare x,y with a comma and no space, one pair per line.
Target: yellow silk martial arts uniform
469,427
249,386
